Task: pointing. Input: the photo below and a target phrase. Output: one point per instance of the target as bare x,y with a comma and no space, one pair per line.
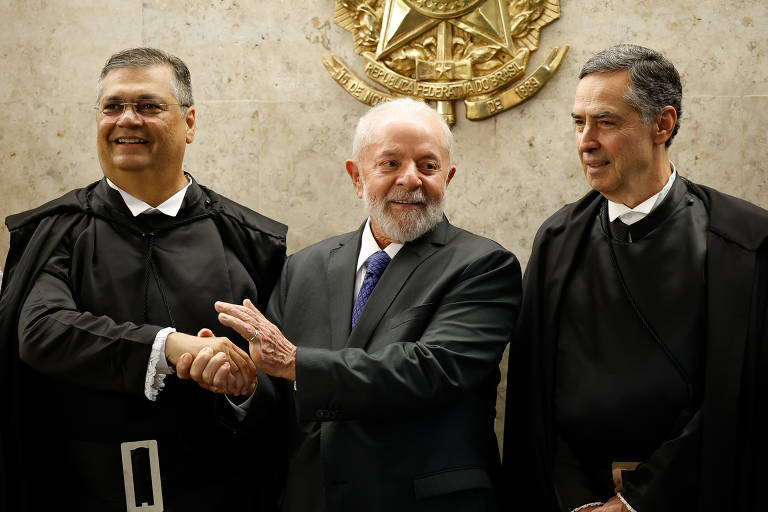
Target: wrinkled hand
216,364
269,349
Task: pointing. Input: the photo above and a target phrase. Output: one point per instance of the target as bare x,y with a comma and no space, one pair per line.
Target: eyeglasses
143,108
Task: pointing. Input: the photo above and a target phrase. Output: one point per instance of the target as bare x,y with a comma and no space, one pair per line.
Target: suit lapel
341,287
391,282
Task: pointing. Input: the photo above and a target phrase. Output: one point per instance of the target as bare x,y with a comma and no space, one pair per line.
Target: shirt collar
170,206
616,210
368,246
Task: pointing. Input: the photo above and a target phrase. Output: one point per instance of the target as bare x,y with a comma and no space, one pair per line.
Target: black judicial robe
93,285
628,380
732,419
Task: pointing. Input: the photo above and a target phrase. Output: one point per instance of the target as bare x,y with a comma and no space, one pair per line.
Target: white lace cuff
157,368
629,507
587,505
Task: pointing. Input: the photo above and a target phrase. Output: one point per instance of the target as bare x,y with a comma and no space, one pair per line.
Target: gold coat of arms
447,50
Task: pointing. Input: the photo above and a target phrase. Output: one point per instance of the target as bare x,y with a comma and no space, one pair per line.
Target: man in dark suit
394,397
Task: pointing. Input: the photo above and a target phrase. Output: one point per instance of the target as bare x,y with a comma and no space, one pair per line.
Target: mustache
415,196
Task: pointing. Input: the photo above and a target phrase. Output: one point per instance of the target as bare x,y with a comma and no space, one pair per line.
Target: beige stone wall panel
274,129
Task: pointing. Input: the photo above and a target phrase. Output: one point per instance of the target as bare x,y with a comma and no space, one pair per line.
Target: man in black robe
109,286
642,326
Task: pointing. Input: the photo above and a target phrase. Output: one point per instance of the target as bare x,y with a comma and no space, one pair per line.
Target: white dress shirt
369,246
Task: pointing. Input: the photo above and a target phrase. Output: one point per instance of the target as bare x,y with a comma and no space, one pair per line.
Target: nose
409,176
587,139
129,116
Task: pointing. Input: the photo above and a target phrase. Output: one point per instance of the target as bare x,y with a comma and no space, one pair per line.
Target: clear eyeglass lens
143,108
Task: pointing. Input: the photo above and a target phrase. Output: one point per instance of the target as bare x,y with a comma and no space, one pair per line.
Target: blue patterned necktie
374,267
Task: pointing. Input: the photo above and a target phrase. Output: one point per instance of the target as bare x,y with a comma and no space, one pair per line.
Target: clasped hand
214,363
219,365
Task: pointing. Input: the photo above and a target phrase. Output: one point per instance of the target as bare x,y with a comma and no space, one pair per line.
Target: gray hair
403,106
654,82
181,84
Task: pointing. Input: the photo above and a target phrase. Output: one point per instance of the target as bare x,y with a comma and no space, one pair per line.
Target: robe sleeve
57,339
668,480
576,487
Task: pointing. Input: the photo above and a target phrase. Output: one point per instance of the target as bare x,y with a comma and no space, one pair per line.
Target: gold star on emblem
405,19
443,69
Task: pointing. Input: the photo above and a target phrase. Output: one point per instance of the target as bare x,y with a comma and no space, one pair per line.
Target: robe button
207,203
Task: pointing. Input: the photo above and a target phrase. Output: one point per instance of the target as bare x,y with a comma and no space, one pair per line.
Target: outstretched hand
269,349
216,364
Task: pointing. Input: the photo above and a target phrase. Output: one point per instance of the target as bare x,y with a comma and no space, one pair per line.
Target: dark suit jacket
398,414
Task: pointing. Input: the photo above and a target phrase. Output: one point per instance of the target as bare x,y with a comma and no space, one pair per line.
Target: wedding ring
250,340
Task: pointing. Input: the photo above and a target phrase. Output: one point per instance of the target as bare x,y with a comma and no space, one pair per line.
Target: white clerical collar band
170,206
618,210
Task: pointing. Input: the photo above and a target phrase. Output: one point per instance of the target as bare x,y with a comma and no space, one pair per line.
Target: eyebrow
388,154
394,153
116,97
601,115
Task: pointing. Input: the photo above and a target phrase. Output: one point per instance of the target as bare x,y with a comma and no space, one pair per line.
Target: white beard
410,225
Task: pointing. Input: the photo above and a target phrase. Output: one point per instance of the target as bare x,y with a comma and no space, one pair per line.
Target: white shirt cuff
157,368
587,505
241,411
629,507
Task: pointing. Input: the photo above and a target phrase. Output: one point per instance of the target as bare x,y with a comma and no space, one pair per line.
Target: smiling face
133,143
402,176
620,155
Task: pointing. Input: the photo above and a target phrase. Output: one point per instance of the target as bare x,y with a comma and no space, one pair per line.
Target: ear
665,124
354,173
450,175
189,119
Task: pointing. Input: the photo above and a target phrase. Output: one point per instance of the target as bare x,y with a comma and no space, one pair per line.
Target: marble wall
273,129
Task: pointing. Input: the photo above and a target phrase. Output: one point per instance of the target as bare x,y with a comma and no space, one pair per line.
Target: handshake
219,365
